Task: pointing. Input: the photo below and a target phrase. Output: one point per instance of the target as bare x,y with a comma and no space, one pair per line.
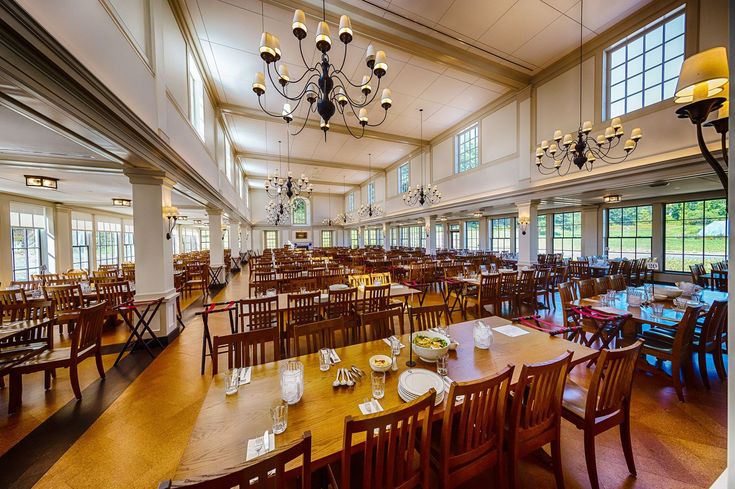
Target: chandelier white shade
422,195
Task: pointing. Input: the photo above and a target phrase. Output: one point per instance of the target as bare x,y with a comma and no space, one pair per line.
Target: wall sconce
427,229
702,87
122,202
612,199
172,214
523,222
42,182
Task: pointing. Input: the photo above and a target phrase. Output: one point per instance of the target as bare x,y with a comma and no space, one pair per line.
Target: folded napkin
447,384
370,407
510,330
333,356
252,452
245,375
387,342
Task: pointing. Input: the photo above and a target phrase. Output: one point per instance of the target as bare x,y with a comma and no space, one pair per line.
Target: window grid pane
467,154
270,239
695,232
541,223
567,234
439,236
500,234
629,232
403,178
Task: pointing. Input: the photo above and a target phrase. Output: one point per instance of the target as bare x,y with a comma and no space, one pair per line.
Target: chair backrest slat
247,348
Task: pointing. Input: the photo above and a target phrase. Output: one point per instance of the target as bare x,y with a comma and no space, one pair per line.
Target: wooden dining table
226,423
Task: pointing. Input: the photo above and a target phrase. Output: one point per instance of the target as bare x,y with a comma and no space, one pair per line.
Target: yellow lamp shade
702,75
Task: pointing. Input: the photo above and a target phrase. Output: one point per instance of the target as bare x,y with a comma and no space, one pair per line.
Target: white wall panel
499,133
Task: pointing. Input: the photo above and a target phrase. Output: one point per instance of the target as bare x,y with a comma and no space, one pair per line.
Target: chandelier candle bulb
557,135
287,112
601,139
277,47
345,29
363,116
283,76
267,51
590,156
381,64
370,56
259,83
567,139
545,144
553,149
629,145
366,88
615,123
587,127
702,76
386,100
341,97
609,133
299,24
636,134
323,39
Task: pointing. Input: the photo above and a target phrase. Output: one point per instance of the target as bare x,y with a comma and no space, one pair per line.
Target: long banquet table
225,423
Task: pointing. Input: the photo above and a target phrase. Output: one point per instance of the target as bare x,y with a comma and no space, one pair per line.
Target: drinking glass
377,380
232,382
324,359
271,292
441,364
302,290
658,309
279,415
697,296
292,381
482,335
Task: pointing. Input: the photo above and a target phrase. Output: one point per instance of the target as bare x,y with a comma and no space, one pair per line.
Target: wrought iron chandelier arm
308,70
385,115
349,129
367,102
301,51
282,93
725,156
306,119
709,157
357,85
260,102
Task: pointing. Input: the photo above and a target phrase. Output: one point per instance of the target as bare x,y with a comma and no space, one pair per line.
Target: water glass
292,381
271,292
377,380
658,309
302,290
324,359
441,364
697,296
482,335
232,382
279,415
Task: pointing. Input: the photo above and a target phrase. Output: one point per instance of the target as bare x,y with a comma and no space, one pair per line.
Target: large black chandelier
325,86
278,211
370,210
422,195
581,149
276,185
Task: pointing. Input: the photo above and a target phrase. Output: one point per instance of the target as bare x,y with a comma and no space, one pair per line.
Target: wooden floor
138,440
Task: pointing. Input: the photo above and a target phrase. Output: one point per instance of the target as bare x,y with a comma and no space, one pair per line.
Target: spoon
336,382
350,382
343,382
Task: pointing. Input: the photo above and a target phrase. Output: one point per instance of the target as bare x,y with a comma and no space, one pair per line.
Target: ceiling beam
307,161
57,162
337,127
416,42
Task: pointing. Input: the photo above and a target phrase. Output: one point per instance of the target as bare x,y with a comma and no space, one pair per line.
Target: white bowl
385,363
338,287
429,354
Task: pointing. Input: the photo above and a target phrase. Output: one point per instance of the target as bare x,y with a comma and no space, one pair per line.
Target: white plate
407,398
418,381
338,287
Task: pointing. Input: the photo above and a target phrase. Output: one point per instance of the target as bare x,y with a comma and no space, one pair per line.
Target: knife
266,442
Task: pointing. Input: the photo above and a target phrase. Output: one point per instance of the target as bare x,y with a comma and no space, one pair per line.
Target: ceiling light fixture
171,213
612,199
583,150
325,85
421,194
288,187
42,182
122,202
370,210
703,86
344,218
328,221
523,222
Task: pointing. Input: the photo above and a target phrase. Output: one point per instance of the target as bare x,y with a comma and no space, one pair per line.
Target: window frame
329,242
270,236
307,220
195,84
499,224
439,236
38,250
472,128
649,28
111,247
204,243
542,235
684,237
354,239
371,192
351,201
622,236
81,227
404,177
562,237
128,241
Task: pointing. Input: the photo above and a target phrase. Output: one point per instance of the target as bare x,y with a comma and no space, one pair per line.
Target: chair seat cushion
49,356
574,399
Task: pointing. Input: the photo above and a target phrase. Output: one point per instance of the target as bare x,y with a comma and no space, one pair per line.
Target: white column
6,251
361,237
484,245
216,245
430,221
233,240
154,266
386,237
590,231
245,232
63,238
528,243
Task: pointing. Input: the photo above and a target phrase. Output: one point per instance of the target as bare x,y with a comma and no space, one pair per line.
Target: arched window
300,212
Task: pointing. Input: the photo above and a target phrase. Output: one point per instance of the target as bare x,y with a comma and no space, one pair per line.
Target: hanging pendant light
421,195
370,210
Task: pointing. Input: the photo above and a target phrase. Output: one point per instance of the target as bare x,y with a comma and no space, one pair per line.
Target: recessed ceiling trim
248,155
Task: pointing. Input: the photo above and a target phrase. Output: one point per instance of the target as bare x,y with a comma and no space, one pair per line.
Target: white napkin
510,330
245,375
447,383
252,453
387,342
370,407
333,356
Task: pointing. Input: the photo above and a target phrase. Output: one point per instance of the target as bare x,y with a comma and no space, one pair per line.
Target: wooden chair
396,450
114,294
311,337
86,341
535,414
197,278
677,350
488,294
601,285
296,284
332,279
342,303
605,404
382,277
429,317
542,280
258,313
78,275
358,280
381,324
616,282
20,347
257,289
567,295
267,471
246,349
43,277
11,298
375,298
526,291
69,302
579,269
302,309
586,288
27,285
473,431
260,276
508,286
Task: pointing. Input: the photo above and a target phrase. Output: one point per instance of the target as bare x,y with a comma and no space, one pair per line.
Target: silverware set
348,377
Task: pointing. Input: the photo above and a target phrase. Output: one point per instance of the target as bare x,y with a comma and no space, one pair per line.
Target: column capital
62,207
214,211
530,203
146,176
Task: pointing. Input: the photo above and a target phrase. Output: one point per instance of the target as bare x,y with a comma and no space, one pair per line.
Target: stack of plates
416,382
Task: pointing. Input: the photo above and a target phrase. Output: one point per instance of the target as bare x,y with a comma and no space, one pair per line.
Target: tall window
299,211
629,231
500,234
643,68
108,243
454,237
354,239
394,236
472,235
371,192
440,236
128,248
404,239
326,239
541,223
175,240
270,239
466,149
204,238
351,202
404,178
189,239
568,234
229,170
416,236
373,237
26,229
81,241
696,232
196,98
